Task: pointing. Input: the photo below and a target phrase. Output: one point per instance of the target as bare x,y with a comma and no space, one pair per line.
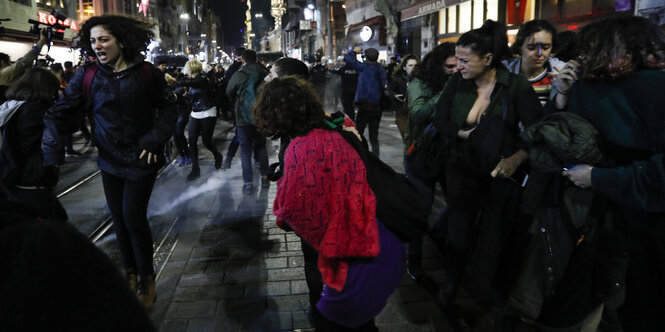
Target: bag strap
88,77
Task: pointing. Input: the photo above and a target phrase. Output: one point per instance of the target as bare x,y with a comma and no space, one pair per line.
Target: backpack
247,97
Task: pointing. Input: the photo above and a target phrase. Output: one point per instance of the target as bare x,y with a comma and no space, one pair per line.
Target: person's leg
349,108
312,277
114,188
374,122
401,120
244,135
179,137
207,129
136,196
459,230
194,131
260,151
231,151
362,119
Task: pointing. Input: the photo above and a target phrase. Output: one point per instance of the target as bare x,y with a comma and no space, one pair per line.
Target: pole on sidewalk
330,31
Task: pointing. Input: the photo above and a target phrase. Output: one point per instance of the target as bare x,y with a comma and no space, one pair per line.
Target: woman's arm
166,103
59,118
422,102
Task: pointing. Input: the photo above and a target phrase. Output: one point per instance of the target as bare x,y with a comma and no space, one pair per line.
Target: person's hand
357,50
464,134
567,76
579,175
151,157
505,168
352,130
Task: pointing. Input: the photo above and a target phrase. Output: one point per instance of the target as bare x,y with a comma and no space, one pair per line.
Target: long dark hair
612,48
489,38
529,28
430,71
38,83
287,107
400,68
134,34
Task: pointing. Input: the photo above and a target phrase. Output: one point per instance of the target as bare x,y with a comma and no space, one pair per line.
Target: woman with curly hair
133,114
325,198
617,85
424,92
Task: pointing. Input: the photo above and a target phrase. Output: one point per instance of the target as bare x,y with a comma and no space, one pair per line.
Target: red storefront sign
47,18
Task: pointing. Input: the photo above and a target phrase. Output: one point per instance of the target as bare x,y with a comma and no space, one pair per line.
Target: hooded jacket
239,92
129,114
21,141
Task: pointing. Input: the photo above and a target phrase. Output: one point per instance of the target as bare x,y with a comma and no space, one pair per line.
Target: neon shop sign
47,18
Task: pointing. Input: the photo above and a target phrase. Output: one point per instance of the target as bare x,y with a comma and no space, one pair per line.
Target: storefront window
22,2
549,9
452,19
493,10
578,7
465,13
478,13
50,5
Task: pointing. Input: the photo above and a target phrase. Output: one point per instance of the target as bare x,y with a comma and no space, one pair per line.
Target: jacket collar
131,65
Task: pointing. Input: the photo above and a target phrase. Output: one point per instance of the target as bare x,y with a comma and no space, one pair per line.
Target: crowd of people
550,154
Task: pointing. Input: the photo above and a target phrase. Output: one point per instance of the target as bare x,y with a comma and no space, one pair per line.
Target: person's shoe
218,161
188,161
181,162
265,183
147,291
257,164
226,164
133,281
447,294
195,174
247,188
72,153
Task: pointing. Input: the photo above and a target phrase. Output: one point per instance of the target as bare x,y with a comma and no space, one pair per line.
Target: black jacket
130,113
200,92
23,144
349,79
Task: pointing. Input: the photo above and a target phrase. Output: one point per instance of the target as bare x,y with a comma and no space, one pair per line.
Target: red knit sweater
325,198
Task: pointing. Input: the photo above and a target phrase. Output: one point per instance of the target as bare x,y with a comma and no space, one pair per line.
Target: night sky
232,15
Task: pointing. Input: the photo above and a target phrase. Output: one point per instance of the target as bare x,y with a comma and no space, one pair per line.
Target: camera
53,31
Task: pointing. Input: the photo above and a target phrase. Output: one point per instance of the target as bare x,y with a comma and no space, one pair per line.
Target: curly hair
430,71
132,33
613,48
287,107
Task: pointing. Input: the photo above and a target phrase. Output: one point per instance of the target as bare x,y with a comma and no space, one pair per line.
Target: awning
425,7
380,20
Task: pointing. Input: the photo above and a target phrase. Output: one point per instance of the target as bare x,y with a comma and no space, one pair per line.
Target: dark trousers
204,128
312,274
349,107
370,115
179,135
250,140
128,202
232,149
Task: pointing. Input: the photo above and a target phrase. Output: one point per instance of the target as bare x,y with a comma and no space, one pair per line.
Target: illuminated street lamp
258,15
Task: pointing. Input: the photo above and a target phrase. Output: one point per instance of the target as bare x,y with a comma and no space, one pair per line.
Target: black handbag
426,156
400,205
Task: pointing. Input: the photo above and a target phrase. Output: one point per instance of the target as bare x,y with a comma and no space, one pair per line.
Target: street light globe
310,6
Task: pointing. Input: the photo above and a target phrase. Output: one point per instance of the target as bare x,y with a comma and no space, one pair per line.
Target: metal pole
330,31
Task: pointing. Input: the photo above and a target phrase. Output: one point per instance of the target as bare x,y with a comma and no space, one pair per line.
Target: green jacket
242,90
629,115
422,103
459,95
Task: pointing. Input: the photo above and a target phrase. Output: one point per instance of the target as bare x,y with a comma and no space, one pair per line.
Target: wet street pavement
222,263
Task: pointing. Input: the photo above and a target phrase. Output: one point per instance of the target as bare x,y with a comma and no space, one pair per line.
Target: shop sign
47,18
420,9
307,25
366,33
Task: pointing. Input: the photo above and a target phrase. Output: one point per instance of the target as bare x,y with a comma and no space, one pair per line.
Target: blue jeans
251,140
